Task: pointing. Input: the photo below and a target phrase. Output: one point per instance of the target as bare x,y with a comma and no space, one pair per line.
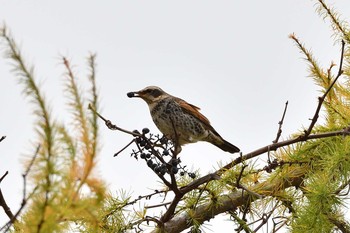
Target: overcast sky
231,58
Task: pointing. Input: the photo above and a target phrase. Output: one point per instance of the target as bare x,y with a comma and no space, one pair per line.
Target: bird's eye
154,92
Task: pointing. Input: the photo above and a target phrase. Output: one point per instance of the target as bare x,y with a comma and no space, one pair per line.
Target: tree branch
280,123
231,201
25,198
110,125
3,203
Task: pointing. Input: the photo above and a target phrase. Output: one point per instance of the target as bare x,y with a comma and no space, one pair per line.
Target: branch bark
232,201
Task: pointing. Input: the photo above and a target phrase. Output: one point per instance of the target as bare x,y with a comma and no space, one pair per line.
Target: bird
180,121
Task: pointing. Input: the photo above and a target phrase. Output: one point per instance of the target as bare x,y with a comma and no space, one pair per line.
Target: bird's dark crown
152,91
149,94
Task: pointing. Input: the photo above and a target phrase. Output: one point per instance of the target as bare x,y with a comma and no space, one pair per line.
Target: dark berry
157,169
163,140
149,163
192,175
174,170
145,130
138,140
174,162
153,167
148,156
162,171
143,156
182,173
165,152
130,94
142,143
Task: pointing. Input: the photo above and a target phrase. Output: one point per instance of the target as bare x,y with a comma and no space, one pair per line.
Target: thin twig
147,219
266,217
147,197
3,176
241,186
110,125
6,208
279,132
2,138
25,198
240,175
158,205
3,203
343,186
7,226
200,194
121,150
242,224
280,223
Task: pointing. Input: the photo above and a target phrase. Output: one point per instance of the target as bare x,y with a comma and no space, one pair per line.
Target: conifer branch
46,126
337,24
320,77
321,99
94,100
77,106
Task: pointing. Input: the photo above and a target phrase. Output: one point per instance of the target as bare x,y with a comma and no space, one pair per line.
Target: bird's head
151,94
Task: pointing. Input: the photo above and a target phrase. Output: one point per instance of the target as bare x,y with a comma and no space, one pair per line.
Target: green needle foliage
67,193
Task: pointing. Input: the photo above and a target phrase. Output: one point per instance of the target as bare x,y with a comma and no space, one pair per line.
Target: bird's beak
133,94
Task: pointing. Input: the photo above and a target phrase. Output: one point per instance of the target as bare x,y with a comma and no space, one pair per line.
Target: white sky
231,58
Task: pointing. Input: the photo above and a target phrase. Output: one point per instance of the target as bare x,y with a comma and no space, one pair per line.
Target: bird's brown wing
194,111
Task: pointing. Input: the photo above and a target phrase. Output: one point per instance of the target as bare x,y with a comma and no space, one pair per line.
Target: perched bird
180,121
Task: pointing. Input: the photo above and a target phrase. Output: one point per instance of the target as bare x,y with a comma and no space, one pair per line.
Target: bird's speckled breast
173,122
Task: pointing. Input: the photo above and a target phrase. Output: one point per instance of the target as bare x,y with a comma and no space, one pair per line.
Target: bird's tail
215,139
226,146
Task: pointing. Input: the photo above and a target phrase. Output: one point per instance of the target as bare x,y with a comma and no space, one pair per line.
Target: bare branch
279,132
110,125
25,198
121,150
3,203
158,205
3,176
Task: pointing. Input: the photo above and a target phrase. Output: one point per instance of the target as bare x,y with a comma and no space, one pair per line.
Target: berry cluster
158,153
